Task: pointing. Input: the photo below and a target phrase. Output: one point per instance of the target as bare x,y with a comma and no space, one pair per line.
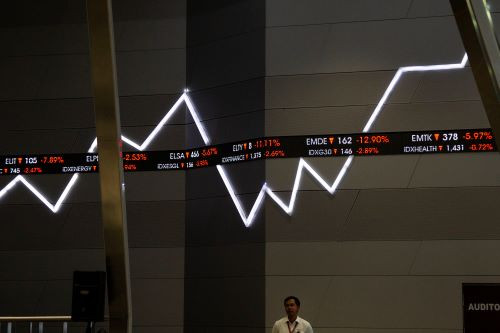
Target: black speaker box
89,289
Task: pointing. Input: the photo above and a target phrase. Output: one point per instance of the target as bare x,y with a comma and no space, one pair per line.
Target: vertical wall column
225,260
103,66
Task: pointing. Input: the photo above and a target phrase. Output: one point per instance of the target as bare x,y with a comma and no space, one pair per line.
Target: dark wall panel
224,272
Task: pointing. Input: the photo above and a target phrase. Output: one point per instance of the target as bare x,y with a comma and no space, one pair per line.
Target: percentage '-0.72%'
482,147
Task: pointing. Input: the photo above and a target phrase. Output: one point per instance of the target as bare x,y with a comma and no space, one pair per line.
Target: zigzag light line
302,166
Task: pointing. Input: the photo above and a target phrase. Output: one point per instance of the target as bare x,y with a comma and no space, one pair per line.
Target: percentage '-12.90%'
371,139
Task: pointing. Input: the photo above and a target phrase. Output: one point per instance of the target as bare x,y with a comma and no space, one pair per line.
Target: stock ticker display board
328,145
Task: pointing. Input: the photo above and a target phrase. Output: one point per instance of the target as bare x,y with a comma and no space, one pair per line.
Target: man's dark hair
296,299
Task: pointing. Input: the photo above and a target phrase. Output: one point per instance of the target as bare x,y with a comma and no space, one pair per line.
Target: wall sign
481,307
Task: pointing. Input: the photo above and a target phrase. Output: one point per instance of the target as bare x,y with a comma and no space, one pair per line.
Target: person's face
291,308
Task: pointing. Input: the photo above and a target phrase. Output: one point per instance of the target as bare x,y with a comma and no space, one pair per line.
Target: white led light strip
303,165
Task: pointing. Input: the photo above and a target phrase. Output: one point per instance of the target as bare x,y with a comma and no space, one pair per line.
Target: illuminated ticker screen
327,145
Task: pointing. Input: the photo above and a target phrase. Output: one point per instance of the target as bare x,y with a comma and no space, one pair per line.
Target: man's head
292,306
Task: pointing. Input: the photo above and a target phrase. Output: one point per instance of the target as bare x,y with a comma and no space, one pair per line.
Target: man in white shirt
292,323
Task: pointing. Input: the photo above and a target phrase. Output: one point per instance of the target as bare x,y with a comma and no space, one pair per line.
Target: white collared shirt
302,326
